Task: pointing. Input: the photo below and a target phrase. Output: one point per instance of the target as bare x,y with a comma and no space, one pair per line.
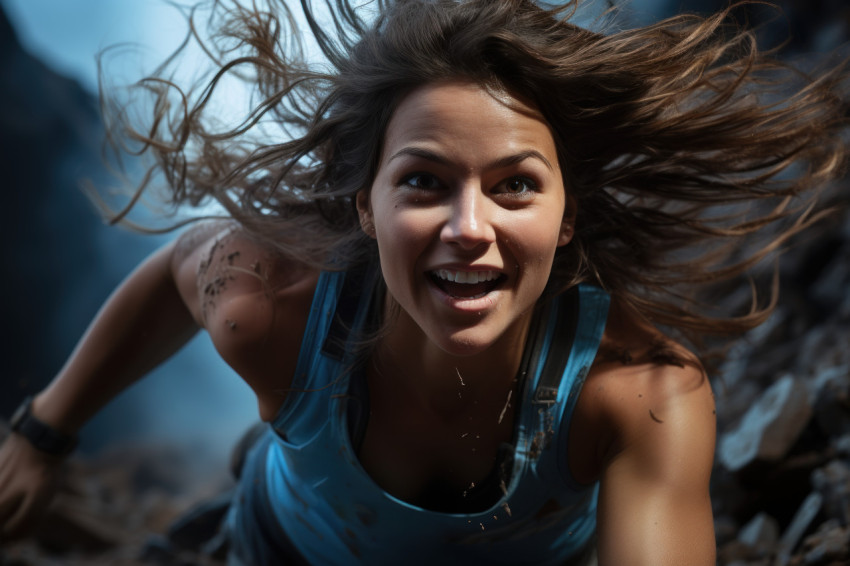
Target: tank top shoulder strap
565,341
340,309
592,317
322,309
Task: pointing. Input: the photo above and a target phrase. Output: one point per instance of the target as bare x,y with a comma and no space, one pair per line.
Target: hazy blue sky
66,34
194,399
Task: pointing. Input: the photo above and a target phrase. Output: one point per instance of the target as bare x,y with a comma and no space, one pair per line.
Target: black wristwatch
41,435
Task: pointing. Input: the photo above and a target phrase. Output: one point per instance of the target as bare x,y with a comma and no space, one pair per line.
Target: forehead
469,118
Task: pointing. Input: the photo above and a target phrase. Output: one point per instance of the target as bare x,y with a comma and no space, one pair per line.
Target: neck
407,361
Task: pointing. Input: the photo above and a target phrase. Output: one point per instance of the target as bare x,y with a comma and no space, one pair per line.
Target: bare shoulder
253,301
648,407
645,394
215,263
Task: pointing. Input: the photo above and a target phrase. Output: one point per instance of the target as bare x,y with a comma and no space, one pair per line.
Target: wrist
41,435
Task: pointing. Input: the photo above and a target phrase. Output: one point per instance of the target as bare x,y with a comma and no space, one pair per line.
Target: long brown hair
691,155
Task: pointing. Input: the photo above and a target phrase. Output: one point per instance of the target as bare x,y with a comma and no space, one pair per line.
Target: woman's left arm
654,504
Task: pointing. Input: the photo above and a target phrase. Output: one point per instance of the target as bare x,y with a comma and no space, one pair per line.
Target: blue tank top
310,483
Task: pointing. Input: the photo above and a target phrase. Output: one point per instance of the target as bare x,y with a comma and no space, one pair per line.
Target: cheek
402,232
400,245
535,239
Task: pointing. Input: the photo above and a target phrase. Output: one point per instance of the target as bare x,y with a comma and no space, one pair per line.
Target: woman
446,290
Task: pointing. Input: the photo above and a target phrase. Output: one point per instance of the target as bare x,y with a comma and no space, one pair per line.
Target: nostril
468,233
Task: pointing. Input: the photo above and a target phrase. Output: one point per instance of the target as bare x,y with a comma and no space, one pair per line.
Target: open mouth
466,284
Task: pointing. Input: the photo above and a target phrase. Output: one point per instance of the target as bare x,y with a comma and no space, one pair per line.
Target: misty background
60,260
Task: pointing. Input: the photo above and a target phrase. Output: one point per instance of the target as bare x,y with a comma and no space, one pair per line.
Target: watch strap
41,435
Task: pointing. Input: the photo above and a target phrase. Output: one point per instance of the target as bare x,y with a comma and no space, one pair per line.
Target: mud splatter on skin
213,275
469,488
505,408
217,285
222,276
212,289
219,281
460,377
205,263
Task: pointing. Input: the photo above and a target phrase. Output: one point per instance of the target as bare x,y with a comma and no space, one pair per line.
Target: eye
517,186
422,181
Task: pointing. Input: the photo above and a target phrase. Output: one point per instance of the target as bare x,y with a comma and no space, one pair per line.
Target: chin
465,343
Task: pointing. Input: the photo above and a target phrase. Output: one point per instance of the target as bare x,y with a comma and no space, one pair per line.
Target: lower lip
465,304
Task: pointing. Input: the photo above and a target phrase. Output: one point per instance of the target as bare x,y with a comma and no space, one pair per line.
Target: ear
364,211
568,223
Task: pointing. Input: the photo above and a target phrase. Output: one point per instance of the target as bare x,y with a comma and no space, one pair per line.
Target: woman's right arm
253,303
143,322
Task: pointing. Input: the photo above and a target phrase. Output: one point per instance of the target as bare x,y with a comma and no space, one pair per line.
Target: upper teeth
467,276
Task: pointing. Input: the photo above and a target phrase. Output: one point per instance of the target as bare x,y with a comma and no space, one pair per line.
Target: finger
9,510
10,499
25,518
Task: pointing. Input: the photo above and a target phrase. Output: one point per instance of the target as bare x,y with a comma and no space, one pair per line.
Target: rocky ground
782,480
136,505
781,485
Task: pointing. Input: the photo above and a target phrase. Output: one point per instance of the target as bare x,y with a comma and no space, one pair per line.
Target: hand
28,480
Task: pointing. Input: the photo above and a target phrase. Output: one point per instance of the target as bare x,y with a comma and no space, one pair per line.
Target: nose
470,222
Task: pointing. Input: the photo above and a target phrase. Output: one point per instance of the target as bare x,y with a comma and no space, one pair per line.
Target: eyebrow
502,162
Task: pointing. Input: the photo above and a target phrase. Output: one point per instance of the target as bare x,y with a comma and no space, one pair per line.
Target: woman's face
468,208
